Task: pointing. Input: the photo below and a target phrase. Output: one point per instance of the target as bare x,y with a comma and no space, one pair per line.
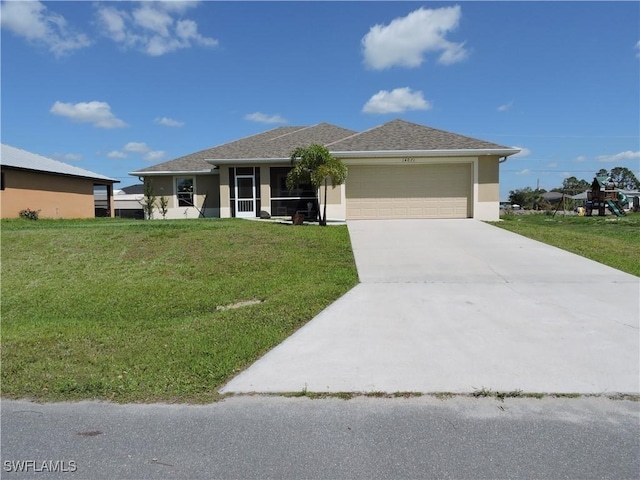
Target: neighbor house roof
17,158
133,189
551,196
401,135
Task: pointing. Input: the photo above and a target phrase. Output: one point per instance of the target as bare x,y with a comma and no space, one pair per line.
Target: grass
130,311
609,240
127,310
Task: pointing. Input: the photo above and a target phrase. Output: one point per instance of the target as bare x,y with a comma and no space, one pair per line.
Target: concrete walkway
457,306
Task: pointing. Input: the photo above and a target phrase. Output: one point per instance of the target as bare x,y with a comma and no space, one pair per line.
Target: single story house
553,196
396,170
56,189
128,202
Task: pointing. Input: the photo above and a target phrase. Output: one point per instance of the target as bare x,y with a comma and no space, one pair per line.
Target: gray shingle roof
133,189
402,135
195,162
18,158
277,143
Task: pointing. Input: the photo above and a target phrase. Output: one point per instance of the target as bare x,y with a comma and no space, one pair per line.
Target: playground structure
604,195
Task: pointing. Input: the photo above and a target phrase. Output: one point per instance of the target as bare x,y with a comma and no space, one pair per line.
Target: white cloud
265,118
580,159
168,122
154,155
116,154
97,113
526,171
406,40
152,18
552,165
637,47
140,148
620,157
34,22
178,6
524,152
152,28
396,101
505,107
113,24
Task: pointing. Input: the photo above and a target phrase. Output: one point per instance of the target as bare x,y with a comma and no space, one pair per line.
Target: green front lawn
610,240
128,310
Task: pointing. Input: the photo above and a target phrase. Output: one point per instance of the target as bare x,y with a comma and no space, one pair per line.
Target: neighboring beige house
396,170
56,189
127,202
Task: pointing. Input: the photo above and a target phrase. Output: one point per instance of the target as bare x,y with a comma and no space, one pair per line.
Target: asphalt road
299,438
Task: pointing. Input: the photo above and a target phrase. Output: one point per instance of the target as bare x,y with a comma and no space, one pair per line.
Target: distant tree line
531,198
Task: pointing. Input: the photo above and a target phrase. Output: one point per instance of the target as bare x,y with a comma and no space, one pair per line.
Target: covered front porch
260,191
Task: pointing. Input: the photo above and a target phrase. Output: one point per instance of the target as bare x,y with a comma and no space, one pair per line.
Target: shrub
29,214
149,201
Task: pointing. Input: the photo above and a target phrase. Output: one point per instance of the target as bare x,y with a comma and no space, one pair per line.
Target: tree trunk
323,222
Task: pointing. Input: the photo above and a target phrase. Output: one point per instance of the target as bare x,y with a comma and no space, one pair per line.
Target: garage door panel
409,191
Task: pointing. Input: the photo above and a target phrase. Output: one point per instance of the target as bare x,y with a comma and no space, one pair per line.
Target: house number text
408,160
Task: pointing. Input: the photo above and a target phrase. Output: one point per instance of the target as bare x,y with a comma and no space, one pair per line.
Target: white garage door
409,191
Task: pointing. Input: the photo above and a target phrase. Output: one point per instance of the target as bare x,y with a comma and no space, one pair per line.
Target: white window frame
193,193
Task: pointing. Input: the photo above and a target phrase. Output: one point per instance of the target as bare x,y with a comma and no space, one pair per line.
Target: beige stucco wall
333,194
265,188
56,196
486,204
488,178
207,195
483,201
208,191
225,200
163,187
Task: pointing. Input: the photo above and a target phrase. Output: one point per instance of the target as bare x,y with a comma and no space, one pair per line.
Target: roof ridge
297,127
308,127
359,133
302,128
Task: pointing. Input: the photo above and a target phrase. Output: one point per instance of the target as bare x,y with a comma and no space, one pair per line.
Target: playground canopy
581,196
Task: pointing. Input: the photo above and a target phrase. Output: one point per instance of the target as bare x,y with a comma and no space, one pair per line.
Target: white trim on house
242,204
501,152
184,211
175,173
241,161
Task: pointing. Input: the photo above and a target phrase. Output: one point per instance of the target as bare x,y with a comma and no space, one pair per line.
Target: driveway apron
459,306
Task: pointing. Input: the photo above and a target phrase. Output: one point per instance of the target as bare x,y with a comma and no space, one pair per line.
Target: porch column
265,189
225,201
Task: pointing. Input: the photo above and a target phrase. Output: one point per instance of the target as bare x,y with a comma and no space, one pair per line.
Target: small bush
30,214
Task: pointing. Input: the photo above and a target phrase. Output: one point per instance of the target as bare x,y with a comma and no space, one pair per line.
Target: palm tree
315,165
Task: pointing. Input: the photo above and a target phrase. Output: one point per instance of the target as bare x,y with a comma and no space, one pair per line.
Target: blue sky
114,87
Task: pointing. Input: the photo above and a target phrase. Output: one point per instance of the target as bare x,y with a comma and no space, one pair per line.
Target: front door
245,196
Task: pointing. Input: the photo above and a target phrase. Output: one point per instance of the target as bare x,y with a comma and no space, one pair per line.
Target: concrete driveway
457,306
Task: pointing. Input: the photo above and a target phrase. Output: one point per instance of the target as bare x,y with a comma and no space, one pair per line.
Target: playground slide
615,208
